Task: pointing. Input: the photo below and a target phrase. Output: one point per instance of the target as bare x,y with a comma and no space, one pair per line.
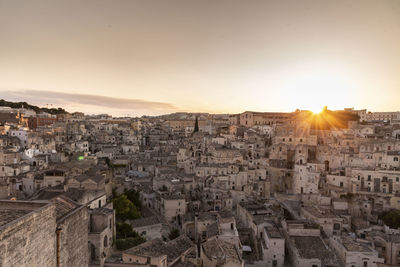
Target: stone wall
74,238
29,240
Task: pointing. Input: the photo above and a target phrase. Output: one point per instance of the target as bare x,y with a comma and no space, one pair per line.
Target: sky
130,57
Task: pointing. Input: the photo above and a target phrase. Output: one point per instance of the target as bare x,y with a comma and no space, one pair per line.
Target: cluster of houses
250,189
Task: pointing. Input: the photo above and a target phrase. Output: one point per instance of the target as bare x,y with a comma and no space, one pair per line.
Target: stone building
305,245
72,232
355,253
250,118
102,234
273,246
51,233
27,234
172,207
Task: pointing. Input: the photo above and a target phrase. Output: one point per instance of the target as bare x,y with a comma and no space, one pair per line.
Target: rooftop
212,230
352,245
155,248
9,215
320,212
13,210
64,206
145,221
273,231
221,251
312,247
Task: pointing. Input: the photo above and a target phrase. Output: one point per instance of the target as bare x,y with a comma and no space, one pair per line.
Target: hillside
4,103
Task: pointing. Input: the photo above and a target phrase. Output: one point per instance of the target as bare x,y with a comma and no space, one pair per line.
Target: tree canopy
125,209
134,197
392,219
37,109
196,125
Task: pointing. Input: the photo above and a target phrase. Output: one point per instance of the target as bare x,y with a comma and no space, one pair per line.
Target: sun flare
317,110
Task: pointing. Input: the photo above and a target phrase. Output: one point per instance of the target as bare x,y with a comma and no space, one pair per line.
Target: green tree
124,230
196,125
173,234
134,197
125,209
392,219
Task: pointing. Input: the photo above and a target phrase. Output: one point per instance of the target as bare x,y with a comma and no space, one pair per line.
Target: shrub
173,234
392,219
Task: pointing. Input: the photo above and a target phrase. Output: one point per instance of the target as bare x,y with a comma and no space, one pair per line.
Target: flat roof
312,247
352,245
220,250
273,231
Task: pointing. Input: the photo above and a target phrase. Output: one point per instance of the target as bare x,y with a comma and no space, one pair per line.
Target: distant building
250,118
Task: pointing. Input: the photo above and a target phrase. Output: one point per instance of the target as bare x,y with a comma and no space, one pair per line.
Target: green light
81,158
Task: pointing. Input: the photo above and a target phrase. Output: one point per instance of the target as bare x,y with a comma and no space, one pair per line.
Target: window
105,241
395,159
92,251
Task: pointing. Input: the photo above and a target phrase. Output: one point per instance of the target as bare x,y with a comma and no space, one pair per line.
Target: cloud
43,97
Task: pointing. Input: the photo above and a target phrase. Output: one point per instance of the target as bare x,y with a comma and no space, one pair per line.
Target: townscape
197,189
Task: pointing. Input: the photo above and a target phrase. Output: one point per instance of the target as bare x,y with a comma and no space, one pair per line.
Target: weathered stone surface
29,240
74,238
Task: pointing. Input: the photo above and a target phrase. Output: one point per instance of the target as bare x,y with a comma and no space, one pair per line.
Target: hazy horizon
156,57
